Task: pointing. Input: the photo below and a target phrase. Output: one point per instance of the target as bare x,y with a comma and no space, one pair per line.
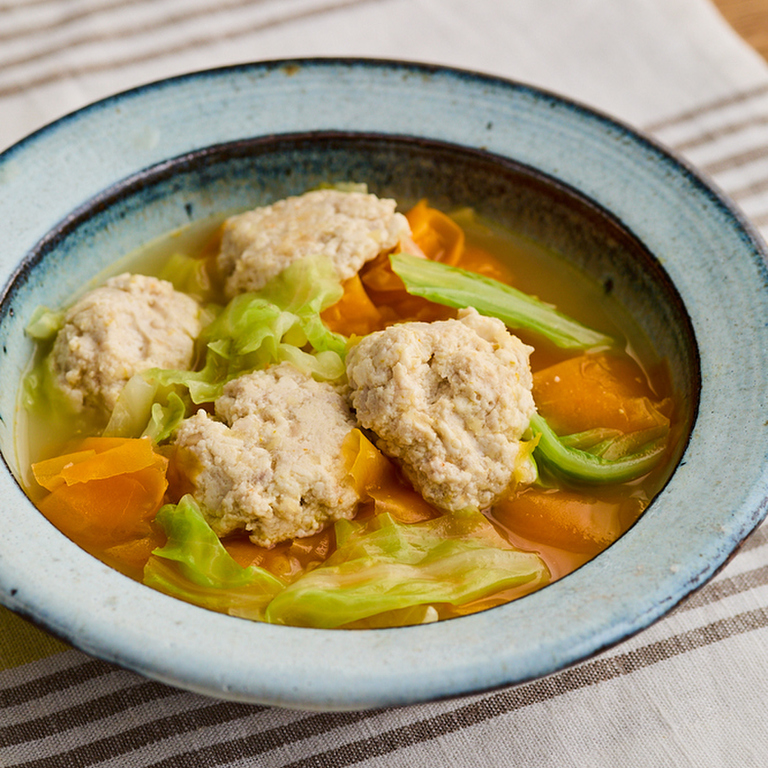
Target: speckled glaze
84,191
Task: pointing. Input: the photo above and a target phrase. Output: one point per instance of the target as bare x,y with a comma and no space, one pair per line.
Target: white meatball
349,227
271,462
129,324
450,401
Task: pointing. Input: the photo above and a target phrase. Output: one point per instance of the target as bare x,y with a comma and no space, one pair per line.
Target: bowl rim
380,674
404,65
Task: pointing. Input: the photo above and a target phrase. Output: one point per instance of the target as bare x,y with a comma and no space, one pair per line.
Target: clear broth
526,265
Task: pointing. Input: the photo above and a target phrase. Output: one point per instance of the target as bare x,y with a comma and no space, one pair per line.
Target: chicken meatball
449,401
271,461
129,324
349,227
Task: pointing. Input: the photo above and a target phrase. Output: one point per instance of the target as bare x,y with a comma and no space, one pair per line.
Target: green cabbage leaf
188,274
194,566
383,565
281,322
44,324
460,288
382,573
43,398
598,456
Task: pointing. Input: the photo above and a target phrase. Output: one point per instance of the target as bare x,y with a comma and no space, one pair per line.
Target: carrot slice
106,493
438,236
567,520
600,390
103,513
368,467
131,557
48,472
377,297
130,456
402,503
377,275
376,478
286,560
354,313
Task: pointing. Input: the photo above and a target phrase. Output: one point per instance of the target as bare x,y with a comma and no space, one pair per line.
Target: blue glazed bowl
84,191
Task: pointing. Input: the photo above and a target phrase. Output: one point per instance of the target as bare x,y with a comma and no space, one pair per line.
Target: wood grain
750,19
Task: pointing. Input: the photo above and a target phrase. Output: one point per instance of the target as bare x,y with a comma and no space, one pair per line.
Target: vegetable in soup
325,412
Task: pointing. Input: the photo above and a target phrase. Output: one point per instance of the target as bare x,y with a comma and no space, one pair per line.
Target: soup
584,439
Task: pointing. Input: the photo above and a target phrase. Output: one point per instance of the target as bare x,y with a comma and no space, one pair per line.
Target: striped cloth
690,690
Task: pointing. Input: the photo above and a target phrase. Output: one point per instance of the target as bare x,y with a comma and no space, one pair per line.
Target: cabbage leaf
269,326
383,565
460,288
383,572
189,275
194,566
608,461
164,418
44,324
145,409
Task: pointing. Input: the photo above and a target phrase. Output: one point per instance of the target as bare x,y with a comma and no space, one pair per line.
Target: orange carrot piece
368,467
438,236
107,498
183,468
48,472
565,519
130,456
377,275
103,513
596,391
131,557
375,477
354,313
286,560
387,294
113,456
403,503
244,551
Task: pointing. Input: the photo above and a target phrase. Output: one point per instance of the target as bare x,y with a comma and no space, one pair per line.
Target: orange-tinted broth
565,526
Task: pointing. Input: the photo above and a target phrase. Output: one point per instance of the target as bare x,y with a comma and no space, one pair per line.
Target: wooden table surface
750,19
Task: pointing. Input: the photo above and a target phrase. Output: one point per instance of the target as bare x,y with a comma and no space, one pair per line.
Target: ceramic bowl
93,186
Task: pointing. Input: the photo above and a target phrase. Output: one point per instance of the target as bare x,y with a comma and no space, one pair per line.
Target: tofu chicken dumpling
450,401
129,324
271,461
349,227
